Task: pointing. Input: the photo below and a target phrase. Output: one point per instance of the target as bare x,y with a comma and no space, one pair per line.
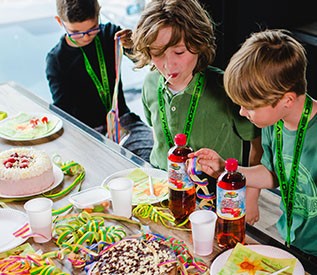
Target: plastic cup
203,223
39,211
121,196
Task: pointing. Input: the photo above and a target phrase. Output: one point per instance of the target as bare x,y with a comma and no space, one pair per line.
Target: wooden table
99,156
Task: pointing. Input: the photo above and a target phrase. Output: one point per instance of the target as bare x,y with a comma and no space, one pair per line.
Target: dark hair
73,11
189,21
269,64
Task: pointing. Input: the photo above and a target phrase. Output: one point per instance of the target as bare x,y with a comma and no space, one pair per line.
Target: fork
280,271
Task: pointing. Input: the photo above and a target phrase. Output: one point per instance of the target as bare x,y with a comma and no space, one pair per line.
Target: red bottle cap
231,165
180,139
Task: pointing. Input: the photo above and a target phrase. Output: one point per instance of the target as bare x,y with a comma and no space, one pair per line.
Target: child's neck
291,119
70,43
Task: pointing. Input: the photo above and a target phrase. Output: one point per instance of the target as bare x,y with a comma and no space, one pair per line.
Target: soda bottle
182,192
231,206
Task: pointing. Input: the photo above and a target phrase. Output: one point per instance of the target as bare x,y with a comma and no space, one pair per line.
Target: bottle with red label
182,192
231,190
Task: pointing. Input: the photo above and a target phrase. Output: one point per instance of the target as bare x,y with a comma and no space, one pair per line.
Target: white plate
154,173
11,220
58,175
265,250
57,127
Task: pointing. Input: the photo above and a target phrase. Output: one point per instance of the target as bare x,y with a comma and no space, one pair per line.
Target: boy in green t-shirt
266,77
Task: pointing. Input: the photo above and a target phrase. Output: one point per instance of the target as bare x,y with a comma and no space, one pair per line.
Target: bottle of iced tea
182,192
231,206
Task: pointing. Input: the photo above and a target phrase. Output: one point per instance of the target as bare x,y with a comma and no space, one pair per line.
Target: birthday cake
25,171
136,256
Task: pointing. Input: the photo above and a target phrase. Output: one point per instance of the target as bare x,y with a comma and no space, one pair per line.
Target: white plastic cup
39,211
203,223
121,196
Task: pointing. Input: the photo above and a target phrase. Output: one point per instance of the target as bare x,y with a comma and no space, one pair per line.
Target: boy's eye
179,53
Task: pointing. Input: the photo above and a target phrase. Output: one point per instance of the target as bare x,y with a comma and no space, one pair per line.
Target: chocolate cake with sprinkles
136,256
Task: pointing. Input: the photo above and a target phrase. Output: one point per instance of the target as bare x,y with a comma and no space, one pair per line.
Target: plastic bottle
231,206
182,192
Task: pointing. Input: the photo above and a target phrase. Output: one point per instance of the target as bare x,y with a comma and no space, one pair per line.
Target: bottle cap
180,139
231,165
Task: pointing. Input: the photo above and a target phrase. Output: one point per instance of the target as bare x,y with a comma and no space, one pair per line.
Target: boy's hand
252,207
211,163
125,37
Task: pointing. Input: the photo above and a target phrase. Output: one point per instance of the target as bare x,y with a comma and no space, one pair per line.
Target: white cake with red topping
25,171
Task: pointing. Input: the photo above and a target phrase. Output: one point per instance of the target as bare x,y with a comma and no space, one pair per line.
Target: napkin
244,261
27,126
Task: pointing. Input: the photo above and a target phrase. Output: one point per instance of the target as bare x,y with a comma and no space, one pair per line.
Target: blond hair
268,64
189,21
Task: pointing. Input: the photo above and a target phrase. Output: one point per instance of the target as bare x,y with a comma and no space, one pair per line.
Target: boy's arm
259,177
252,194
213,165
252,207
56,83
256,151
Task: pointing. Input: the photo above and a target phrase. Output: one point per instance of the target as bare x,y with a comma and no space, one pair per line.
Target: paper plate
265,250
141,188
11,220
58,126
58,175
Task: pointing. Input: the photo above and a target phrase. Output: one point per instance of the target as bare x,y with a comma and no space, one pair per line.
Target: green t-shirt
303,231
217,124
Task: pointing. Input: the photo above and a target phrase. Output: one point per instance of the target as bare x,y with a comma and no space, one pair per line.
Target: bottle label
177,176
231,203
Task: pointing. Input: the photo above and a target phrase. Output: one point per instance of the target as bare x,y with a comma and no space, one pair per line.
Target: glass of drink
203,224
39,211
121,196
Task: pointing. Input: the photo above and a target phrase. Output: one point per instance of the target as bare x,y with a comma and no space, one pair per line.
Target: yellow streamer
158,214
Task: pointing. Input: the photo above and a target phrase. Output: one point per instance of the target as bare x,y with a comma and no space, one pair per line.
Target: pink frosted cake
25,171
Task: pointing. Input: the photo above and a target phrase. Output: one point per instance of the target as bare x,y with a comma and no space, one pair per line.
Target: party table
100,158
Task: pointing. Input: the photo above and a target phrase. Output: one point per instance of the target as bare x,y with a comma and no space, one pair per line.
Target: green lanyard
191,111
103,89
288,186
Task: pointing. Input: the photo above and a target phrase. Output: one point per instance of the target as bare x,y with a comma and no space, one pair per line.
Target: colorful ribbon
187,263
158,214
194,171
81,237
113,124
33,264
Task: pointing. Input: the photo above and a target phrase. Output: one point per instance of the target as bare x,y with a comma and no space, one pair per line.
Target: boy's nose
86,37
243,111
168,61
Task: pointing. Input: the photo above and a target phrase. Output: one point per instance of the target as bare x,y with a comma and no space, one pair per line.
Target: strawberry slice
44,119
34,122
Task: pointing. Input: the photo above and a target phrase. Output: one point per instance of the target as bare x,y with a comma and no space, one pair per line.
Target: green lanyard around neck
288,186
103,89
191,111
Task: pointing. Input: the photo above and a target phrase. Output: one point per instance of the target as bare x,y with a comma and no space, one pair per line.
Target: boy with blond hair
267,78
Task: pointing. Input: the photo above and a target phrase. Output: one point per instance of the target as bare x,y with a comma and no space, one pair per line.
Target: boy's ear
59,20
290,98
